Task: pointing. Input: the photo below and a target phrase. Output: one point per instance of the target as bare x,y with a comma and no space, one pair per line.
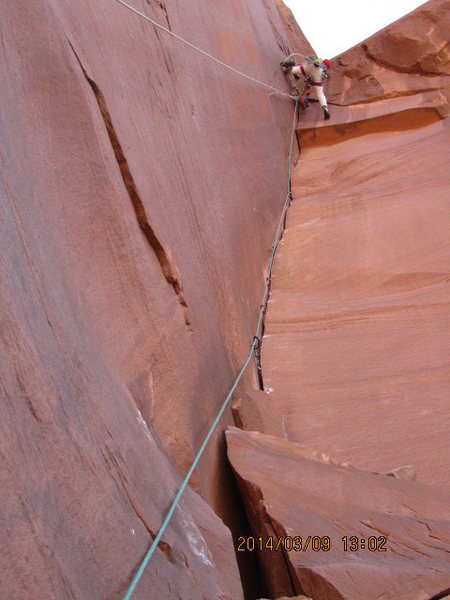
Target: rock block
402,528
254,410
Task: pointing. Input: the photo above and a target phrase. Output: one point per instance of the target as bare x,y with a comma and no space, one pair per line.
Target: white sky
333,26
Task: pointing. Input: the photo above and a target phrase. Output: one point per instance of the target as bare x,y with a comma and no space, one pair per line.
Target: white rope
159,26
308,58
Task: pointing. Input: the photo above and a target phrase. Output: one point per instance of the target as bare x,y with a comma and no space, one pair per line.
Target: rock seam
168,269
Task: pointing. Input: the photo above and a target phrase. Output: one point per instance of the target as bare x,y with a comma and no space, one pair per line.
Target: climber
314,71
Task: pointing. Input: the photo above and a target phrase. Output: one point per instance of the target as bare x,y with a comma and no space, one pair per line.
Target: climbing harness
255,349
288,63
308,79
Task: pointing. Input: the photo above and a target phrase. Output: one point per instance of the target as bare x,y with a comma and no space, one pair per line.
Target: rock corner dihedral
141,182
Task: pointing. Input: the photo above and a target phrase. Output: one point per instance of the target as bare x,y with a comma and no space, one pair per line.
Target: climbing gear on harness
303,100
308,79
304,103
313,76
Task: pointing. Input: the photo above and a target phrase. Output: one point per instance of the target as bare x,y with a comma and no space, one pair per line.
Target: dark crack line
441,595
168,269
376,529
162,6
269,291
167,59
286,561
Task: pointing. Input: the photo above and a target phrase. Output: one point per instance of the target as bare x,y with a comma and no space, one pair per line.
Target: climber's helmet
327,63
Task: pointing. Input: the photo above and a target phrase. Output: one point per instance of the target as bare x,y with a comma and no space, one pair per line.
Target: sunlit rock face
356,355
358,337
357,343
332,531
406,58
403,70
140,187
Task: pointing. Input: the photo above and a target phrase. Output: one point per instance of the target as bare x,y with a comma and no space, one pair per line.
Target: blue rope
177,498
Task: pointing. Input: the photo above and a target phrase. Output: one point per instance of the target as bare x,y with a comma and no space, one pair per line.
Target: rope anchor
257,343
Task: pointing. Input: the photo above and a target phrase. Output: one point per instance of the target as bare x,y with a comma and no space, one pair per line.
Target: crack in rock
168,269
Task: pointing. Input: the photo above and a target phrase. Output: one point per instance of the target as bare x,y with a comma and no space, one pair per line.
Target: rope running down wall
238,378
256,338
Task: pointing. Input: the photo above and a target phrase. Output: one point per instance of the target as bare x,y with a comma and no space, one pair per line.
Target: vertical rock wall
356,349
140,185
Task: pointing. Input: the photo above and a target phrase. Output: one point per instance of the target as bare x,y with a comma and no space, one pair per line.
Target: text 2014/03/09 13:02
313,543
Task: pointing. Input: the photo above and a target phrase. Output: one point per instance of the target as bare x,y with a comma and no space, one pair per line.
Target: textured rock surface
389,80
296,40
406,58
358,344
135,175
134,178
357,341
288,494
254,410
292,598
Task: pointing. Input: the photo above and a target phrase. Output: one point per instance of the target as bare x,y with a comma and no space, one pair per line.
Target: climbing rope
255,345
310,58
210,56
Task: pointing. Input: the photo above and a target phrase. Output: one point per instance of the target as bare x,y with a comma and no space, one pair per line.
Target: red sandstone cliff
140,185
357,345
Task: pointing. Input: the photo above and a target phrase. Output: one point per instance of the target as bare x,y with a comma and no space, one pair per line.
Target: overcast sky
333,26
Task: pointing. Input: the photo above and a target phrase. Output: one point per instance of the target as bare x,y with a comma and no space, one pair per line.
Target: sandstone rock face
397,79
357,345
134,176
406,58
406,525
296,40
254,410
